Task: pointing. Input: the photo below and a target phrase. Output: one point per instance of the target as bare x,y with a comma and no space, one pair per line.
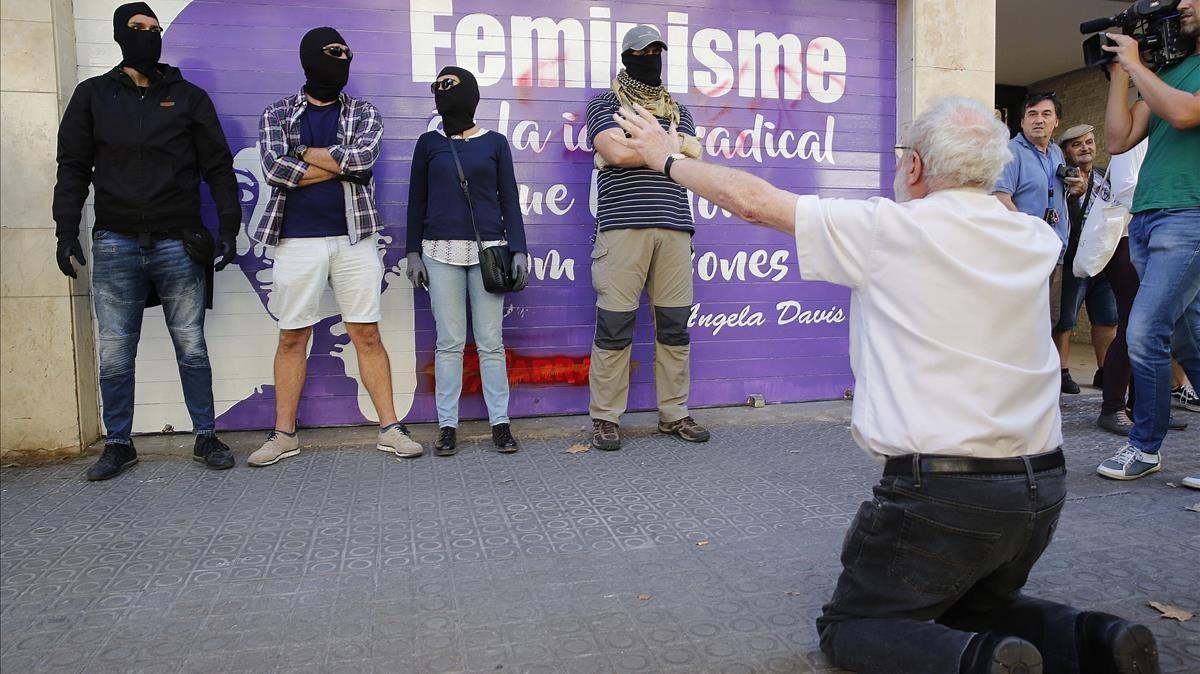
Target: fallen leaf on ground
1194,508
1172,485
577,449
1173,612
701,543
645,597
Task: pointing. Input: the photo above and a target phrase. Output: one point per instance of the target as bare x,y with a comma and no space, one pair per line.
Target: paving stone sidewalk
664,557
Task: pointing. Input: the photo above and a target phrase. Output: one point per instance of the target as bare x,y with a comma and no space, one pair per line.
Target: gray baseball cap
640,37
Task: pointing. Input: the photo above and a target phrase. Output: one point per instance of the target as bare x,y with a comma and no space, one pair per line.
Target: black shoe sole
120,469
445,451
1134,651
1015,656
605,447
705,438
201,459
507,449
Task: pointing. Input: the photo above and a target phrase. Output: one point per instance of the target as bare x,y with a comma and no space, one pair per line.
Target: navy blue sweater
437,209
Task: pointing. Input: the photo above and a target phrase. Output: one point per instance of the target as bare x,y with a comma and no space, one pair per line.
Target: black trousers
934,559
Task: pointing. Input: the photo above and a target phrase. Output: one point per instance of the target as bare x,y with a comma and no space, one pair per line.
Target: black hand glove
356,177
520,271
226,251
68,247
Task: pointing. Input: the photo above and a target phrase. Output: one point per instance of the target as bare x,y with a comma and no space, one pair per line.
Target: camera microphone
1096,25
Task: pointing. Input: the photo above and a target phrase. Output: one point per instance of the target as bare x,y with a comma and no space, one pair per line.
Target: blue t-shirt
1029,177
319,209
437,208
637,198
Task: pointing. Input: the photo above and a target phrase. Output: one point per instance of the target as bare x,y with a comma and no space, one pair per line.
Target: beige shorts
305,267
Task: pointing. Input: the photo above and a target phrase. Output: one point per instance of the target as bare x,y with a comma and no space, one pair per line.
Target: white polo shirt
949,323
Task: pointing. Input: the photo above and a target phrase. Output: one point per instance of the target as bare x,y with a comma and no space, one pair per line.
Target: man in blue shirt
1031,184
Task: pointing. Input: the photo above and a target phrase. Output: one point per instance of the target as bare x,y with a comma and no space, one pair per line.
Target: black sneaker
213,453
1185,398
1098,379
1068,384
447,442
606,435
1117,423
503,438
1174,423
115,458
1107,644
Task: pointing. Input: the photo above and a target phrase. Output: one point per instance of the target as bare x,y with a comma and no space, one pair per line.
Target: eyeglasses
900,149
444,84
338,52
146,28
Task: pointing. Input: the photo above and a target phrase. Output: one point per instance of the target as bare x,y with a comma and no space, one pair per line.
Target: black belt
908,464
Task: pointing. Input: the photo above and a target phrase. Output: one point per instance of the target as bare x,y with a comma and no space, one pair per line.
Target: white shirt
1123,175
949,322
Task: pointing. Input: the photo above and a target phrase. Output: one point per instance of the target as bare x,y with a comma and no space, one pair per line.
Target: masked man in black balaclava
318,149
643,240
150,137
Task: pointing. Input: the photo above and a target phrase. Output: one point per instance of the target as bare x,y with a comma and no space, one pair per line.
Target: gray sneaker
279,446
1118,422
1129,464
395,439
1192,481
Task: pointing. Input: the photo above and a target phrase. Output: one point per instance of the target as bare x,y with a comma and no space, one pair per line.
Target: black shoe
606,435
503,438
1098,379
1068,384
115,458
1117,423
988,653
1107,644
447,442
1174,423
211,452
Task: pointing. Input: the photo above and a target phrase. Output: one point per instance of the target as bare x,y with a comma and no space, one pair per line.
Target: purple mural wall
802,92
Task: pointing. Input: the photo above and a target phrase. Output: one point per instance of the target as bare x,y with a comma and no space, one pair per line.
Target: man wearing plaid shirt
318,148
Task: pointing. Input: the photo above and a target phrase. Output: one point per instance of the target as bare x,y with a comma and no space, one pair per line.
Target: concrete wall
48,388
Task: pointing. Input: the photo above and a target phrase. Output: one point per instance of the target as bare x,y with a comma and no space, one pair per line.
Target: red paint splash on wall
525,370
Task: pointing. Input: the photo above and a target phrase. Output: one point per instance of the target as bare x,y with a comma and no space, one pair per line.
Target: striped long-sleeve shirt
360,131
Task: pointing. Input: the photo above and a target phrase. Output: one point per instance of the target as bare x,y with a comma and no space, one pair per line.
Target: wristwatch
298,153
671,160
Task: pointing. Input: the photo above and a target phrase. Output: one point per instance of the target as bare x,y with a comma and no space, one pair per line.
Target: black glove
226,251
68,247
520,271
356,177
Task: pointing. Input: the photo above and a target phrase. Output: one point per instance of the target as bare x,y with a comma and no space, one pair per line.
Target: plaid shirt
359,132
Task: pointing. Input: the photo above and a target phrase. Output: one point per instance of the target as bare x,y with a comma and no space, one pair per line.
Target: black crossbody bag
495,262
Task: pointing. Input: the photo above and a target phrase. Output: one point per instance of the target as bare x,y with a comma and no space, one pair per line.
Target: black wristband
667,167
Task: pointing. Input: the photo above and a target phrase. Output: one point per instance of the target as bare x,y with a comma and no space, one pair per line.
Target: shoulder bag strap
466,190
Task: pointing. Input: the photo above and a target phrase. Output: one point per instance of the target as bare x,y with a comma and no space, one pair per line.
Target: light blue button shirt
1028,178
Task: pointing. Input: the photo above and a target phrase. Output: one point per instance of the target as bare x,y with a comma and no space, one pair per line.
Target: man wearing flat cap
643,241
1078,144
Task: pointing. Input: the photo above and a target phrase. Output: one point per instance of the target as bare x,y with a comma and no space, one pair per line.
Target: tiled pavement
661,557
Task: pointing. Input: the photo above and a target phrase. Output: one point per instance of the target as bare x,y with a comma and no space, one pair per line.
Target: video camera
1153,23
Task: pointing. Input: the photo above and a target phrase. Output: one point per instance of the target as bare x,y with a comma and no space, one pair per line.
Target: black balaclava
325,74
646,68
457,104
140,49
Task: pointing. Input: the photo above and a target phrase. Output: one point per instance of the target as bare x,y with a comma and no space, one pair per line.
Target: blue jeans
449,288
934,559
1164,246
1096,291
122,275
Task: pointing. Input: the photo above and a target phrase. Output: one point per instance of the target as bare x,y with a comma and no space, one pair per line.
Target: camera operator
1035,182
1164,235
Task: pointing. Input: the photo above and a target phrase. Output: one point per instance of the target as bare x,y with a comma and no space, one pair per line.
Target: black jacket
145,153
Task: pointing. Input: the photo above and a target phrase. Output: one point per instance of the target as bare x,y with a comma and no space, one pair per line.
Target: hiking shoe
1129,464
1068,384
279,446
1192,481
447,442
1098,378
213,453
606,435
685,429
1106,644
116,457
395,438
1118,422
1185,397
503,438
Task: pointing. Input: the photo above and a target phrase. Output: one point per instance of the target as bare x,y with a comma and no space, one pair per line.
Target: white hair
961,143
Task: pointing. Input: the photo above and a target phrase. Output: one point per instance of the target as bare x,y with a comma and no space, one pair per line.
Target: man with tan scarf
643,242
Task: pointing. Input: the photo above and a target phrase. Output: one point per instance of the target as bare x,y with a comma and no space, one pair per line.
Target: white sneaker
395,439
279,446
1129,464
1192,481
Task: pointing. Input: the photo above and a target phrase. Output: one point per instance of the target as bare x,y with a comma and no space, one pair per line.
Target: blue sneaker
1129,464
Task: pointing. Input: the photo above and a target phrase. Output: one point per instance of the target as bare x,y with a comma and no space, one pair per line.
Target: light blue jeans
450,286
1164,246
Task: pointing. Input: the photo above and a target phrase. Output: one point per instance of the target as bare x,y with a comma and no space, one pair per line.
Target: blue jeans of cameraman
122,274
1164,246
935,558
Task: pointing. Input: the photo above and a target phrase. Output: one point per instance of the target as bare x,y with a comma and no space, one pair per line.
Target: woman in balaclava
443,253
